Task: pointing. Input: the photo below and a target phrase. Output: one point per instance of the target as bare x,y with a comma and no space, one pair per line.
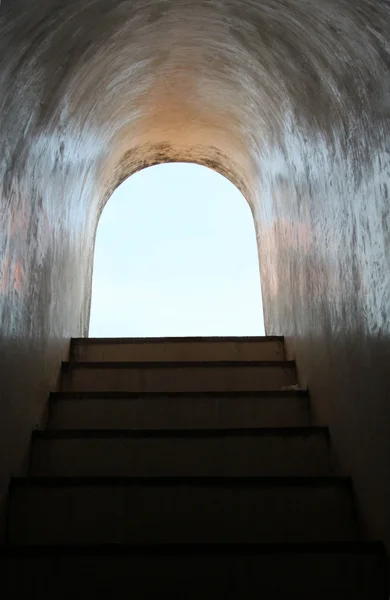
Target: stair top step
304,431
197,481
177,364
166,549
290,393
164,340
186,349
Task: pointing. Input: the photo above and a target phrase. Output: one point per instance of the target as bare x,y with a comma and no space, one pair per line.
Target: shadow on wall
176,255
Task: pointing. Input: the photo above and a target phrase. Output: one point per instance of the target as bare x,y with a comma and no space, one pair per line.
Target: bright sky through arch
176,255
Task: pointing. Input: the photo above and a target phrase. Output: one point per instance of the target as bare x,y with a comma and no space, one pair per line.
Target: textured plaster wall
289,99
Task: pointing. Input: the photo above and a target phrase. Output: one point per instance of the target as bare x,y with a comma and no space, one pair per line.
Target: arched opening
176,255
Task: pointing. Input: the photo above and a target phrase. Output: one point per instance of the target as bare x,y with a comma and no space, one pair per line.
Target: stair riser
177,351
177,379
245,456
179,413
179,513
277,575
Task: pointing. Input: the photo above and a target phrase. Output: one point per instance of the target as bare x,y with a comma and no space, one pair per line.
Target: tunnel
289,100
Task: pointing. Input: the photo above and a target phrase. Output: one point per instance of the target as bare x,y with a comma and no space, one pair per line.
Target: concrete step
247,452
177,376
177,349
344,571
124,410
188,509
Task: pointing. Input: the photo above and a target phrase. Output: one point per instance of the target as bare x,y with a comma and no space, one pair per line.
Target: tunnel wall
324,241
45,241
288,99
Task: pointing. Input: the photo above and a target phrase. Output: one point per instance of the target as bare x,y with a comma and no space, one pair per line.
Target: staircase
186,467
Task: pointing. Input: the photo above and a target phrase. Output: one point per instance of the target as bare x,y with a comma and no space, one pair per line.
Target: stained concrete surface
290,100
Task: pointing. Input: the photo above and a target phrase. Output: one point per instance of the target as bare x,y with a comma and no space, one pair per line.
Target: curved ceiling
124,85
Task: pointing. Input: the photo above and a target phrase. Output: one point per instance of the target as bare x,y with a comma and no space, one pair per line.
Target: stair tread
299,431
103,395
200,481
330,547
207,570
145,364
185,339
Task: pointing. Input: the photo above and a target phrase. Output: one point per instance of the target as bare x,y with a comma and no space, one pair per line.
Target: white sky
176,255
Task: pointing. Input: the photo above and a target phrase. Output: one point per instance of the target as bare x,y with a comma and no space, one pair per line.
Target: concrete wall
289,99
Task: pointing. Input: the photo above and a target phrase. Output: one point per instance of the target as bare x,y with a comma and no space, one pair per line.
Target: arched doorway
176,255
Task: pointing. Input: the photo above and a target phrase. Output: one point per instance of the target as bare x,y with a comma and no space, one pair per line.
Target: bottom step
321,571
88,510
